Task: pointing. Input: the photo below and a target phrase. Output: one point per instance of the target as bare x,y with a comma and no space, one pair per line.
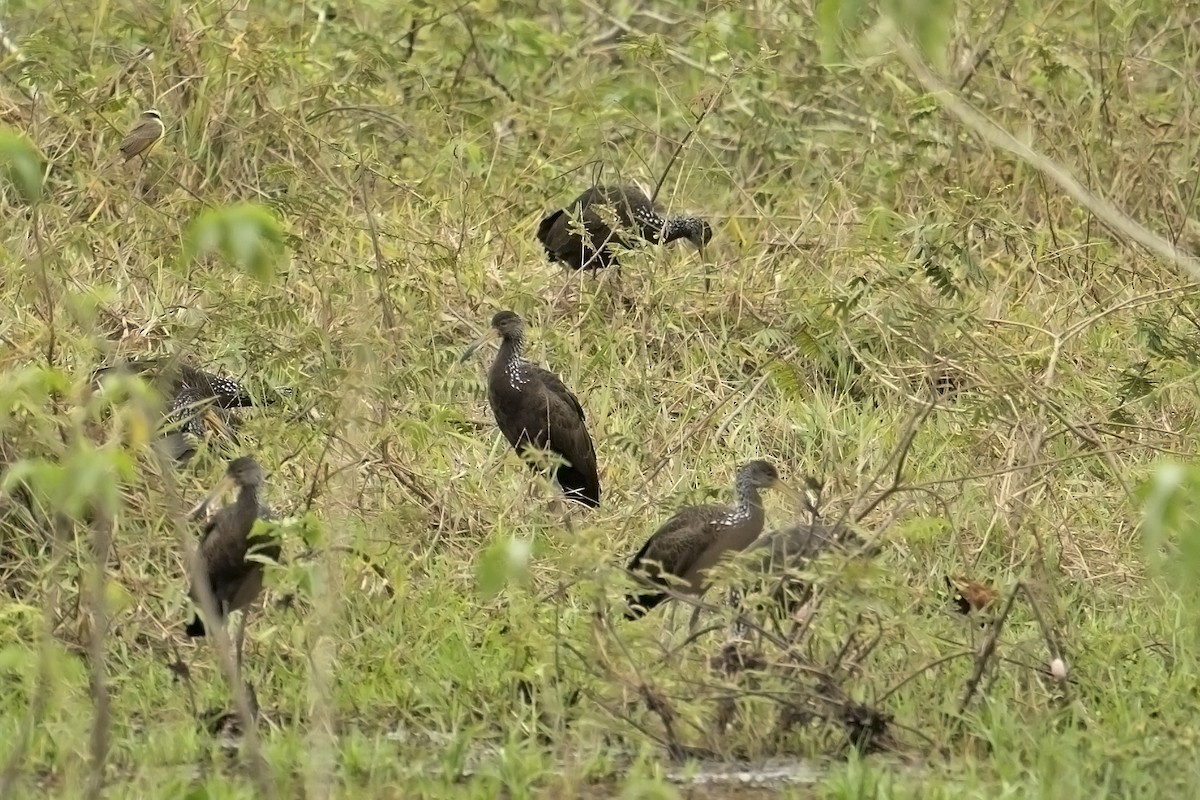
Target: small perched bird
696,538
233,580
197,401
629,211
148,130
535,411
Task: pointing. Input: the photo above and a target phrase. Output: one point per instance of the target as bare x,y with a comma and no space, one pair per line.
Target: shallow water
769,773
735,779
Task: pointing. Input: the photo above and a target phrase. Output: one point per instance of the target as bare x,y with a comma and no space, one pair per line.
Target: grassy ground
870,256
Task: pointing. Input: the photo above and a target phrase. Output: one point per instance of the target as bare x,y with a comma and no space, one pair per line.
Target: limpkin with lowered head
197,401
583,234
536,412
234,581
687,545
789,549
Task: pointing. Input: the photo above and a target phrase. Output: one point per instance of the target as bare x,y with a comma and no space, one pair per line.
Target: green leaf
931,24
246,234
835,20
21,165
503,561
1171,528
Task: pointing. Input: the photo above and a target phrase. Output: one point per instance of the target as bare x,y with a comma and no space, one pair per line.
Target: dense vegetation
922,320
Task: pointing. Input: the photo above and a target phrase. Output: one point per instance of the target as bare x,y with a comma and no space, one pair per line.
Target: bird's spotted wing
678,542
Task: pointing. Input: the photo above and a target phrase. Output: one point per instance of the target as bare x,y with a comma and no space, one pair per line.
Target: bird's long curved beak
201,509
475,345
790,493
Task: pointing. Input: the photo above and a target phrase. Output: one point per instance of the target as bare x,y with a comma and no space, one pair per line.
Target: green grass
865,245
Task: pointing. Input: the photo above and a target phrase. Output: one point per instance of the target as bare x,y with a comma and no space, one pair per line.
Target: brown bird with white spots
536,411
608,216
687,545
197,402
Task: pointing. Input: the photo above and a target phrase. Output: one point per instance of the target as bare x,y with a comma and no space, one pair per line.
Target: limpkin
687,545
233,580
789,549
197,401
608,216
536,412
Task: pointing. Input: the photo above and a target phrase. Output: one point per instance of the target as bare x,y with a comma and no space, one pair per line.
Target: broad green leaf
1171,524
21,165
501,563
1162,505
117,599
930,21
246,234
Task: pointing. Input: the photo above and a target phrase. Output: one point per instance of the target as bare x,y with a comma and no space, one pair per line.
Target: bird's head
760,474
508,325
505,324
700,234
243,472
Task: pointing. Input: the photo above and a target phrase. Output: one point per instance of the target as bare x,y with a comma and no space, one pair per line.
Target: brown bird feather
196,401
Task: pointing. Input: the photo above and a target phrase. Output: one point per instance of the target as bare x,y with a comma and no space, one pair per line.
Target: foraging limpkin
629,211
197,401
536,411
789,549
233,580
696,538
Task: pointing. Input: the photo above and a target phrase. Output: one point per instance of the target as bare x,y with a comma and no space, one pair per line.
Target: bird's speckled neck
511,358
683,228
748,502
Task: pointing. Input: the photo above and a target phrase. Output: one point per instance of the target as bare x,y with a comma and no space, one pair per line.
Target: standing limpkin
696,538
197,402
608,216
536,411
233,580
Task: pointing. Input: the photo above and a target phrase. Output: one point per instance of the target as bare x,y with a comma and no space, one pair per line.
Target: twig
985,48
41,693
382,274
1117,221
220,637
687,137
1047,632
985,652
625,26
901,456
404,477
101,542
